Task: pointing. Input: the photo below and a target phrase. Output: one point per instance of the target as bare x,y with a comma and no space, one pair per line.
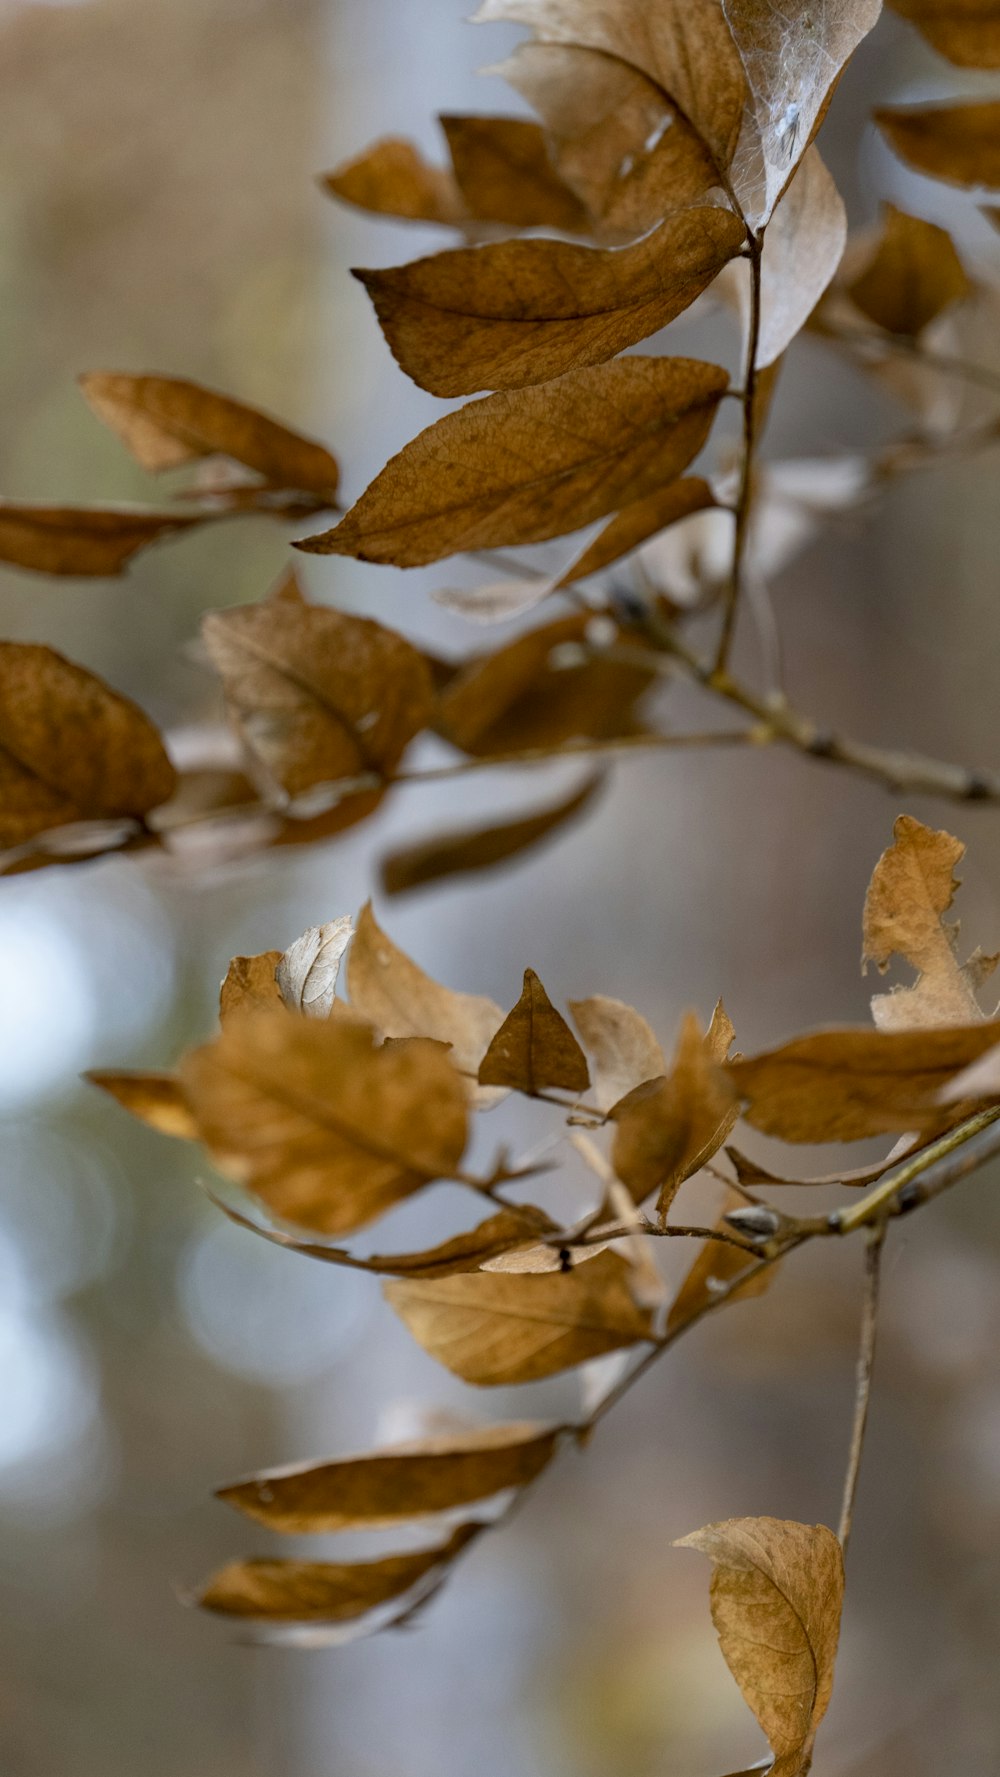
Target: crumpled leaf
85,540
666,1129
400,1482
528,464
156,1099
959,143
912,887
522,312
534,1048
845,1084
793,54
777,1595
454,854
325,1591
166,421
913,274
315,694
71,749
718,1265
805,244
306,975
623,1050
492,1329
964,31
325,1128
387,987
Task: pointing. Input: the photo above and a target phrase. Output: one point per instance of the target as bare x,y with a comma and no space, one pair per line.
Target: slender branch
935,1170
744,498
861,343
863,1385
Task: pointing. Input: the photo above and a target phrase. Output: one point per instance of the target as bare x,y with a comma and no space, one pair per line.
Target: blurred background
159,211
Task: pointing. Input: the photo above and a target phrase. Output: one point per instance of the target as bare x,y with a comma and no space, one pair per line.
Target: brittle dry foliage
673,161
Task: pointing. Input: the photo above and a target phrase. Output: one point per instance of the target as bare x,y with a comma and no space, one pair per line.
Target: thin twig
863,1385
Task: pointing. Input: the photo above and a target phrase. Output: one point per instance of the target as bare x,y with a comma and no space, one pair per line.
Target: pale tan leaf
959,143
156,1099
777,1594
71,749
720,1033
911,890
453,854
666,1129
85,540
325,1128
912,275
324,1591
493,1329
623,1050
166,421
306,975
522,312
534,1048
400,1482
804,246
529,464
964,31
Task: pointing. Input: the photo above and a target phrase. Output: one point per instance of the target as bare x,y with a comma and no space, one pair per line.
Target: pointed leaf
666,1129
392,178
504,174
324,1591
914,274
156,1099
534,1047
911,890
85,540
805,244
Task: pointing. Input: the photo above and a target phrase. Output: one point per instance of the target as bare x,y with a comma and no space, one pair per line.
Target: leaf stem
863,1383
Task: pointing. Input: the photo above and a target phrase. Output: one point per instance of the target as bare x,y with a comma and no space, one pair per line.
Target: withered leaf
911,890
960,143
846,1084
387,987
913,274
325,1128
491,1328
71,749
805,244
306,975
403,1481
528,464
511,1227
682,46
317,694
250,985
718,1265
636,523
777,1593
793,54
156,1099
85,540
666,1129
453,854
166,421
392,178
534,1048
505,174
522,312
624,1051
324,1591
964,31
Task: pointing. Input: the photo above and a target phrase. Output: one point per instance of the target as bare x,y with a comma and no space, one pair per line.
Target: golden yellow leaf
166,421
86,540
325,1128
71,749
400,1482
491,1328
529,464
666,1129
156,1099
522,312
911,890
964,31
623,1050
452,854
534,1047
959,143
324,1591
913,274
777,1594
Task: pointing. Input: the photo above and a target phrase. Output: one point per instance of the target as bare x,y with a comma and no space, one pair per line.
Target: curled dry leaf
71,749
777,1595
911,890
529,464
387,987
534,1048
846,1084
522,312
491,1328
324,1591
453,854
805,244
509,1228
668,1128
403,1481
964,31
718,1266
90,540
505,174
306,975
623,1050
912,276
959,143
156,1099
315,694
250,985
166,421
325,1128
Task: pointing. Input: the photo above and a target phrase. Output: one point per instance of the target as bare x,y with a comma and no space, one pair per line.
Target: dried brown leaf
717,1267
85,540
964,31
324,1591
453,854
509,1228
504,173
623,1050
529,464
959,143
911,890
71,749
777,1594
156,1099
493,1329
392,178
401,1482
913,274
250,985
805,244
534,1048
668,1128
